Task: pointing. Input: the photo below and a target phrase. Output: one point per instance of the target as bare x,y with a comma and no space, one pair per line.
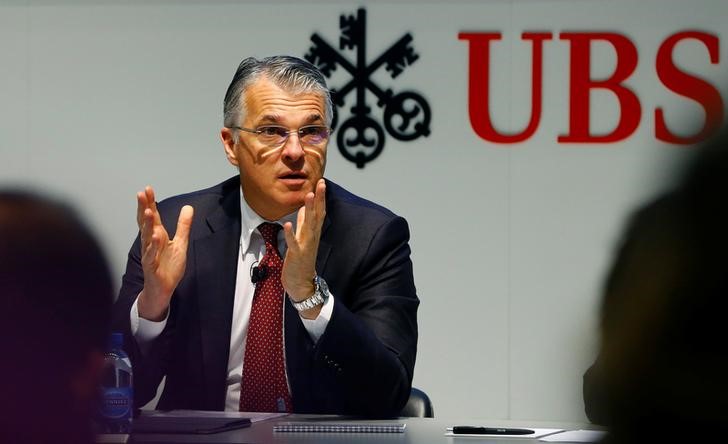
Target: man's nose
292,148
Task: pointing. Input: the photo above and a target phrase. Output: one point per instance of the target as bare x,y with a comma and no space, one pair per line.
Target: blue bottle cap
116,340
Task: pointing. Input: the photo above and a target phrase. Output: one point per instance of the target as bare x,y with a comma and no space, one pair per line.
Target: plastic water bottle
117,394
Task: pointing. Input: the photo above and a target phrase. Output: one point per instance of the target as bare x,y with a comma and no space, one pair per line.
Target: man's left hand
299,265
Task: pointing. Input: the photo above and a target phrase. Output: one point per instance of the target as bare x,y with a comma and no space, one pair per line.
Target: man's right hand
163,259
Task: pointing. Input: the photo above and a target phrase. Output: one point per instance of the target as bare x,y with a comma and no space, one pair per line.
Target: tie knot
269,232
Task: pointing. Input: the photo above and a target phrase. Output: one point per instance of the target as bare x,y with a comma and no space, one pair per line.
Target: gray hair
292,74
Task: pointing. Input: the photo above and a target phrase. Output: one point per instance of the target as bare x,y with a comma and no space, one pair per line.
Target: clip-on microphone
258,273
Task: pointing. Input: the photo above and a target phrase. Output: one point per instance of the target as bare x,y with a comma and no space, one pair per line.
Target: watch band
320,294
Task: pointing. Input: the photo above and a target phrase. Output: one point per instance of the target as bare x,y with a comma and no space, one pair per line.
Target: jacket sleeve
365,359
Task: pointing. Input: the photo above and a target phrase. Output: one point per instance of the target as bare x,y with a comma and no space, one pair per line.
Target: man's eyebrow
314,118
270,118
276,119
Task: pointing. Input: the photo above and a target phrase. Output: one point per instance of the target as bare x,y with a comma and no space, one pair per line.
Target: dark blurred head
55,302
665,358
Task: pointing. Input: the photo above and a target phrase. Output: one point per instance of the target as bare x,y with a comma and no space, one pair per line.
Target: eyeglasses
273,135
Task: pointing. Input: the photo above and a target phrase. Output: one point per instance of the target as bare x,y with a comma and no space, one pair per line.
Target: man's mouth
293,176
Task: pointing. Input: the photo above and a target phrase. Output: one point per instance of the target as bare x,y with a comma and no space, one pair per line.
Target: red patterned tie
264,387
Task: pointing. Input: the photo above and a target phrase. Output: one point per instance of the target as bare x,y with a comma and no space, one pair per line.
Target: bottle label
116,403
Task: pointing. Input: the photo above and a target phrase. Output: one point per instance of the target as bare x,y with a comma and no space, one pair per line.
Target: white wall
510,243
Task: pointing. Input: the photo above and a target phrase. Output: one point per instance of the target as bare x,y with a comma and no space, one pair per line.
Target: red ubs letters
580,84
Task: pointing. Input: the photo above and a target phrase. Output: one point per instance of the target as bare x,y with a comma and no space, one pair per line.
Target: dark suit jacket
363,363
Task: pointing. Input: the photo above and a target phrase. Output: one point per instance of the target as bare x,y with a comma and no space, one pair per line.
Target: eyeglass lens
277,135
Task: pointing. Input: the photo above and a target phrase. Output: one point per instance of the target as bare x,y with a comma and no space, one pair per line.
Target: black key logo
406,115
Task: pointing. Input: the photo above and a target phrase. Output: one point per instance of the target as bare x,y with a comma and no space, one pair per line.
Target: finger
147,228
152,203
309,213
300,219
141,206
149,194
320,202
184,224
290,236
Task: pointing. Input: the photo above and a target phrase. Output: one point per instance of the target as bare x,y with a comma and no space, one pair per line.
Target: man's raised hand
299,266
163,259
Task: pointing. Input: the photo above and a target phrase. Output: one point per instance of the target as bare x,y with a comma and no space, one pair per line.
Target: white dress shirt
251,251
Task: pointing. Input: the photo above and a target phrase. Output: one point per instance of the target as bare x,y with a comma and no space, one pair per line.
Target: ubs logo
406,115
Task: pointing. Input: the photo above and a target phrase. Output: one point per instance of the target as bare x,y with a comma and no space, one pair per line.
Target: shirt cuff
144,330
317,327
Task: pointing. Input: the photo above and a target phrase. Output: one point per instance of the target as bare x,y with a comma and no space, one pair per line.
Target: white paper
575,436
536,433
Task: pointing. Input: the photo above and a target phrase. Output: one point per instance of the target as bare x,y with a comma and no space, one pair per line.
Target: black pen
471,430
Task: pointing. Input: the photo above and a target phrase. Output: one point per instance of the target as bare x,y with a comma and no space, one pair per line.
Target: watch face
322,286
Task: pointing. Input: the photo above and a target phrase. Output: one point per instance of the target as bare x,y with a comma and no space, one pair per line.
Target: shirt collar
250,221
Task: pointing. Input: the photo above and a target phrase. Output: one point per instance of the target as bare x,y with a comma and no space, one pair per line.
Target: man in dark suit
339,269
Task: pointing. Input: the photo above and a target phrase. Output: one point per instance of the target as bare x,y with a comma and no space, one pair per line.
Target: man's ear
84,383
228,142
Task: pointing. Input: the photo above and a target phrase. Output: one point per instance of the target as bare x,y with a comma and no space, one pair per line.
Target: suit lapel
216,267
322,256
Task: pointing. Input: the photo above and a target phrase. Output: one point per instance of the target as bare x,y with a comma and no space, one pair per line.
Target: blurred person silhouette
662,369
55,309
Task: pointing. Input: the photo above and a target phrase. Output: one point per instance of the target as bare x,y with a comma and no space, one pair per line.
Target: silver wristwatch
320,295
